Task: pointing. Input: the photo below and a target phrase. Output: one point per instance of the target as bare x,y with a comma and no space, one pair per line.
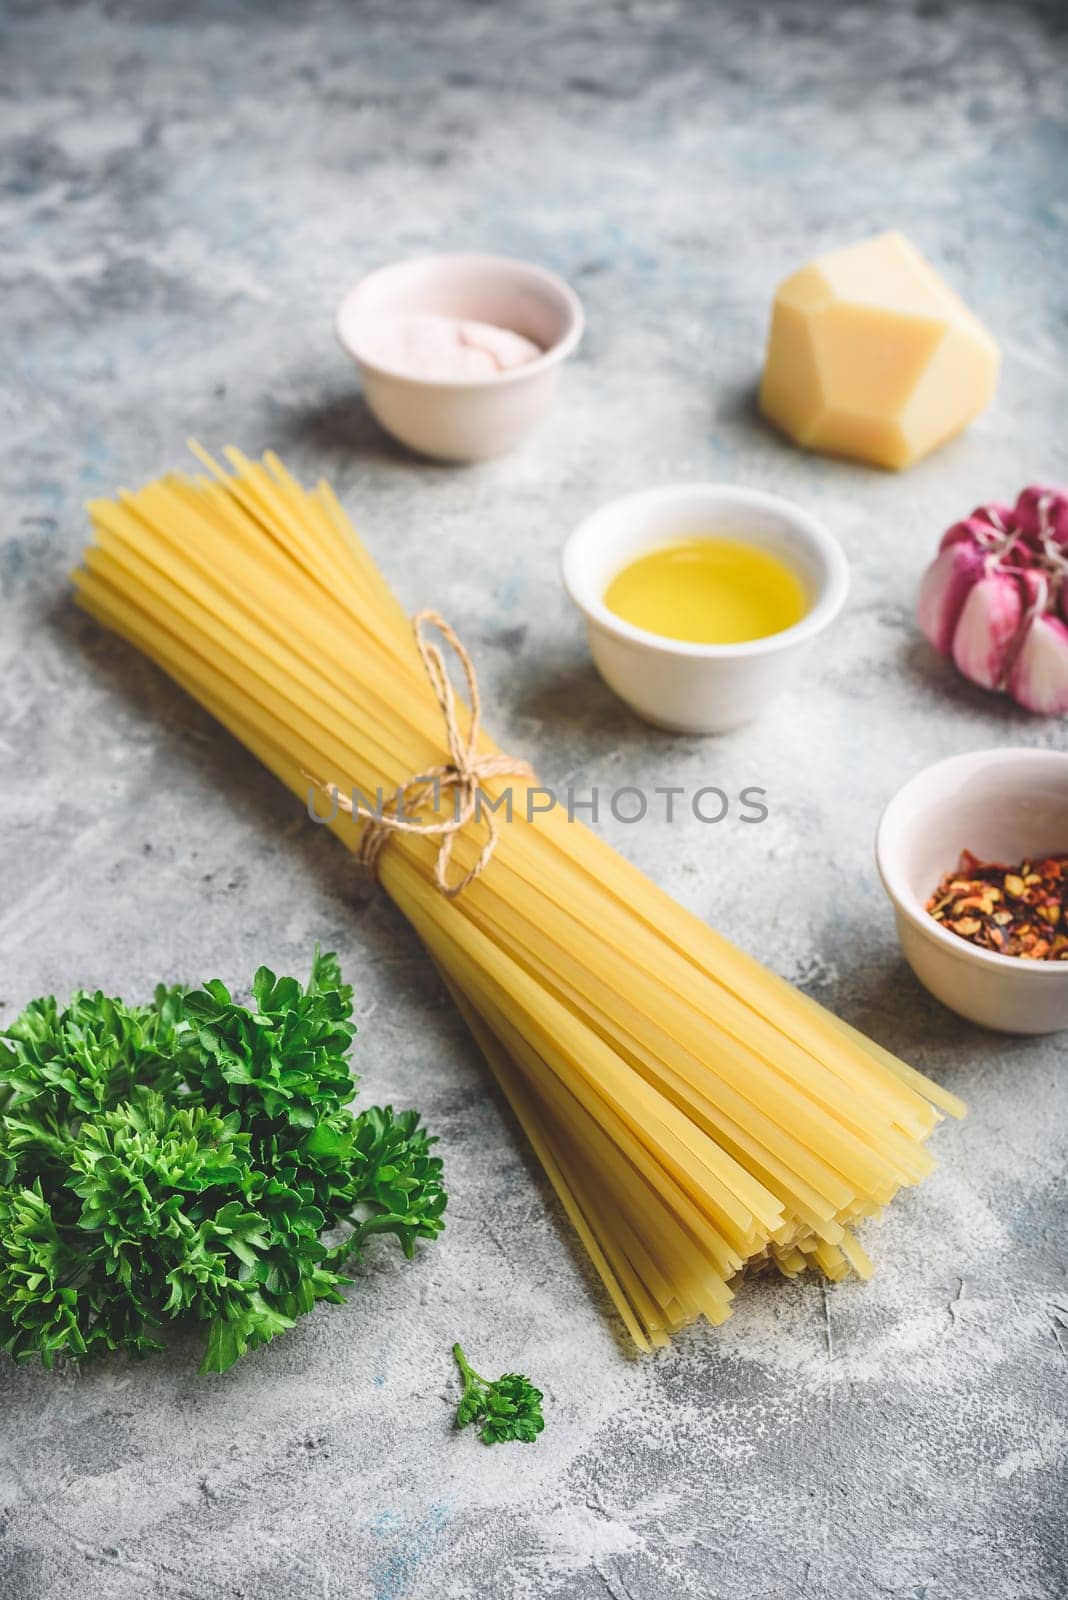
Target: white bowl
699,688
463,419
1002,805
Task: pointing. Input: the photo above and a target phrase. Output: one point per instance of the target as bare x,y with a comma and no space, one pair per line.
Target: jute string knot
464,773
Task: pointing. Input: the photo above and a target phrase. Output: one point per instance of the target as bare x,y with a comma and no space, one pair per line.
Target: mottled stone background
186,192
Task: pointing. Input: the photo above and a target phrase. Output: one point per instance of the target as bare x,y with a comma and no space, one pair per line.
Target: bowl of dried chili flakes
973,854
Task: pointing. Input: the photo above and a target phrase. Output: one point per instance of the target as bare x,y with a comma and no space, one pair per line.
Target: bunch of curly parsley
193,1158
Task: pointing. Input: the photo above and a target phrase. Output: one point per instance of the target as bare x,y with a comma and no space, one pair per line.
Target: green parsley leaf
506,1408
193,1158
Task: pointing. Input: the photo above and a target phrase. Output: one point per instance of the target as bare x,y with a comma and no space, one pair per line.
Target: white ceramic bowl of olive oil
736,585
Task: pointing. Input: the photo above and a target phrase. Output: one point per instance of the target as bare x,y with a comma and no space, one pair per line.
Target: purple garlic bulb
995,599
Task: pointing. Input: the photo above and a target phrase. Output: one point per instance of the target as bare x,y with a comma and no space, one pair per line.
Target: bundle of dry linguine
694,1112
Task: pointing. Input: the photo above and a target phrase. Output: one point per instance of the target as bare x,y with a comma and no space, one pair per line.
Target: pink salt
426,346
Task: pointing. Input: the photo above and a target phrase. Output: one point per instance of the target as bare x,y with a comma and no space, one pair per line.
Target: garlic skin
986,525
986,632
1039,676
1041,514
945,587
995,599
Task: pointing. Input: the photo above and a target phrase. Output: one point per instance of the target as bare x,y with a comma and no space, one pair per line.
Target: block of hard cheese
871,355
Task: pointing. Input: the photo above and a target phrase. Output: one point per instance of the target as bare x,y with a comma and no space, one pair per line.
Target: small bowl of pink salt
459,355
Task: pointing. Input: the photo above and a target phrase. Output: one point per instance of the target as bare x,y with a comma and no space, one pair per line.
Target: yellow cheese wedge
871,355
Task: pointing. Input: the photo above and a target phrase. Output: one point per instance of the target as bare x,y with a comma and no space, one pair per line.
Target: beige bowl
1002,805
463,419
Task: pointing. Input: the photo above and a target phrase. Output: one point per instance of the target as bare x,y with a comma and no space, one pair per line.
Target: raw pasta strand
694,1113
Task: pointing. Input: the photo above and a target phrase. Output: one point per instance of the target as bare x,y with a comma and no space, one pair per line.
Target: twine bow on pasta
465,772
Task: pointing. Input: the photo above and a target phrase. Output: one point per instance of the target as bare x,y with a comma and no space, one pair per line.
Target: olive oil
708,590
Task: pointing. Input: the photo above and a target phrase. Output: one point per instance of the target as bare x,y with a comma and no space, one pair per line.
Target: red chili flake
1017,911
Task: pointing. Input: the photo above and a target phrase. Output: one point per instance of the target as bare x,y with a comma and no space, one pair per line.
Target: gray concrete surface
186,194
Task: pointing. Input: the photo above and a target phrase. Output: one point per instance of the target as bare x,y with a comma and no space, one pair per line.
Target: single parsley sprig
507,1408
193,1158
